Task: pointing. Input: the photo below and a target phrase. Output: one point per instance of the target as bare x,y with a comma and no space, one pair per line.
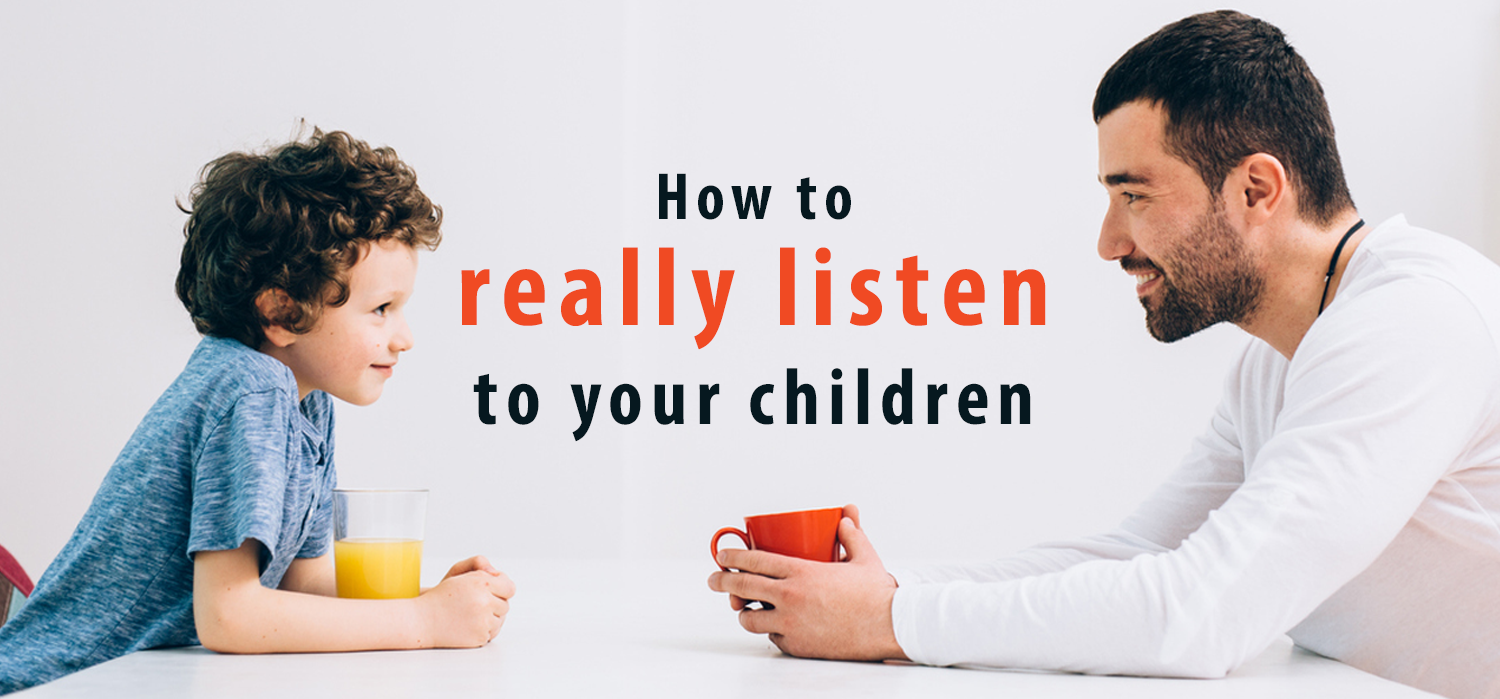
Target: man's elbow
1200,665
1202,668
1206,657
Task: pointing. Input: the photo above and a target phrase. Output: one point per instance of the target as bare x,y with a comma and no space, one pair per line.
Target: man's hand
839,611
468,607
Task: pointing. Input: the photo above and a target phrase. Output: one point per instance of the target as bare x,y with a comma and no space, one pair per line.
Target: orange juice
378,568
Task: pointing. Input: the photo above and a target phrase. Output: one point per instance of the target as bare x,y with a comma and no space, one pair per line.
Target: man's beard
1209,278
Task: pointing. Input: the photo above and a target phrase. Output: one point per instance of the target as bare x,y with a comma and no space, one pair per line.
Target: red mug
808,534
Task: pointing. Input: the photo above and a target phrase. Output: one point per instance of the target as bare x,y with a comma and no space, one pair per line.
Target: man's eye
1131,198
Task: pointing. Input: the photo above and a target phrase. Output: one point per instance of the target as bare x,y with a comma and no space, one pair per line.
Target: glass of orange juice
377,542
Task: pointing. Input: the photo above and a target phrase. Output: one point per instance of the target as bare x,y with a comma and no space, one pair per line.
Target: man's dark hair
1231,86
295,218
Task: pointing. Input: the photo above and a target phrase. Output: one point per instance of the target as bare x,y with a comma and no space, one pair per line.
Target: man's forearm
1041,559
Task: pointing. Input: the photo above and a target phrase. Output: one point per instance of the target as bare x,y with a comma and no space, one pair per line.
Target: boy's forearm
261,620
235,614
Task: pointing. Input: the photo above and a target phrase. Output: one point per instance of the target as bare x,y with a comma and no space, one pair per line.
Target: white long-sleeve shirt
1348,496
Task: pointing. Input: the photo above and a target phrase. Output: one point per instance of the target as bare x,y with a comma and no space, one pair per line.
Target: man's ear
1259,187
272,304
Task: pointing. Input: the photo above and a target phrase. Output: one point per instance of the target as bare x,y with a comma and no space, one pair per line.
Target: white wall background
962,131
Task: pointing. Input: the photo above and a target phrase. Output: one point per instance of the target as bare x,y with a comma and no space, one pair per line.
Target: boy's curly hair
295,218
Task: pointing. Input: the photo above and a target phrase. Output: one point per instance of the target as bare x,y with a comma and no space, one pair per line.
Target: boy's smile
353,348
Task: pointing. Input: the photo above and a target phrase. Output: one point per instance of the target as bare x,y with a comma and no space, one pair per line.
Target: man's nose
1114,236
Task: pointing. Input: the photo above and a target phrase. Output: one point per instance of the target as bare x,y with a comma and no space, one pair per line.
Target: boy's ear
271,303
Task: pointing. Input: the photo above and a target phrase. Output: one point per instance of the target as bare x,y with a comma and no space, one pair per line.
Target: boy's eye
381,310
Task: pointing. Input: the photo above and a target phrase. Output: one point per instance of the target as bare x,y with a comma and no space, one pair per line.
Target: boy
213,524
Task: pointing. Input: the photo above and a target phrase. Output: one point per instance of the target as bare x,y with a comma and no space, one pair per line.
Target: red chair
15,587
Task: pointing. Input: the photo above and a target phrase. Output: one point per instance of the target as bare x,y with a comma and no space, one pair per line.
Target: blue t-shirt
228,453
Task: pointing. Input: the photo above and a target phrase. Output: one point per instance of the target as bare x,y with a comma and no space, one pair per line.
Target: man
1347,491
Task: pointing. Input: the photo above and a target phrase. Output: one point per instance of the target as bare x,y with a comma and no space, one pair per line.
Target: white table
611,628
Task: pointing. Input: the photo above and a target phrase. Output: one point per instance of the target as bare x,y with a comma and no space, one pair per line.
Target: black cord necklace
1335,263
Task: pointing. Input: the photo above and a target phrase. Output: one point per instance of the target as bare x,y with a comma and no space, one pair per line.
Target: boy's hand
472,564
466,609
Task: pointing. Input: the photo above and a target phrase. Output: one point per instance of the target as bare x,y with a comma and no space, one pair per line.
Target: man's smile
1145,281
1147,275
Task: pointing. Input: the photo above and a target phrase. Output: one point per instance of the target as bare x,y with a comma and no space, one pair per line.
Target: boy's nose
403,339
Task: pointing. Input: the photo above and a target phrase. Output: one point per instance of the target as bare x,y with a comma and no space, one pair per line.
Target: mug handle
713,544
